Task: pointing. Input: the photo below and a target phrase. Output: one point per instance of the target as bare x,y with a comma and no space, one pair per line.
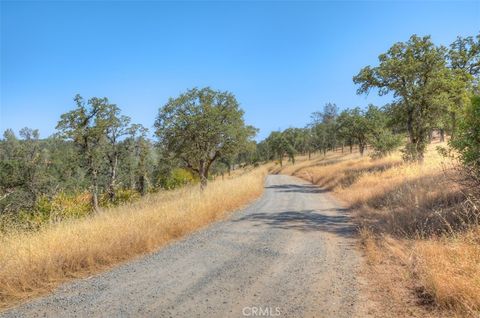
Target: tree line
98,153
98,157
330,130
433,89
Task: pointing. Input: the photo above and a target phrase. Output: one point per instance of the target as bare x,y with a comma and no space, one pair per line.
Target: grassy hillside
419,230
35,262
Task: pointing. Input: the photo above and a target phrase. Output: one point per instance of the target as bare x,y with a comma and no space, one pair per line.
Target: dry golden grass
414,214
33,263
449,269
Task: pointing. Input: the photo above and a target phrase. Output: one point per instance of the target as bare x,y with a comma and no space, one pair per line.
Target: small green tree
264,151
380,136
117,127
306,141
136,159
294,138
345,128
200,126
467,142
327,130
320,137
464,61
23,170
280,146
86,126
144,162
353,125
360,128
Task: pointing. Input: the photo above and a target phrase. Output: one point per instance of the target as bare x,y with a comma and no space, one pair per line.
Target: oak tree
200,126
415,72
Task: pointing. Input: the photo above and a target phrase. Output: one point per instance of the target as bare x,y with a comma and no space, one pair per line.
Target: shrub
385,144
413,152
178,177
50,209
122,196
467,141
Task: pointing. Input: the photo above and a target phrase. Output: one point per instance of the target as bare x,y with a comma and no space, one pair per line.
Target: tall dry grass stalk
35,262
415,213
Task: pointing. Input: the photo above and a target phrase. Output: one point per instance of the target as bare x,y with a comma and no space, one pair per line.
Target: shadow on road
306,188
332,220
304,220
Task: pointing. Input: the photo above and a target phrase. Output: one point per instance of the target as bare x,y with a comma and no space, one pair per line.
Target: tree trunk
309,155
133,181
95,200
361,148
113,178
203,182
142,185
442,135
415,139
203,176
420,157
411,134
94,191
453,118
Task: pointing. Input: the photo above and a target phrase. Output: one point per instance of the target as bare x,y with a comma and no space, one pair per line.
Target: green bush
385,144
122,196
413,152
61,206
177,178
48,209
467,140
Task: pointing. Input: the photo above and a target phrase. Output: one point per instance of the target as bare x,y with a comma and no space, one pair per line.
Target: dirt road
290,254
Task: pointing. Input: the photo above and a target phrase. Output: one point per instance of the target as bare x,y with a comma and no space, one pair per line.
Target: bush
467,141
49,209
122,196
385,144
178,177
61,206
414,152
467,145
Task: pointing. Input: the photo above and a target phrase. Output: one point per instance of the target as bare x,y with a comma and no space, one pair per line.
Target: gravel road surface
289,254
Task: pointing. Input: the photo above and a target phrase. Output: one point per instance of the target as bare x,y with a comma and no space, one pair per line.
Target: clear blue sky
283,60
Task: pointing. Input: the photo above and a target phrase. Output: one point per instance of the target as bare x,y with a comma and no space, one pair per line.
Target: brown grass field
418,229
32,263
